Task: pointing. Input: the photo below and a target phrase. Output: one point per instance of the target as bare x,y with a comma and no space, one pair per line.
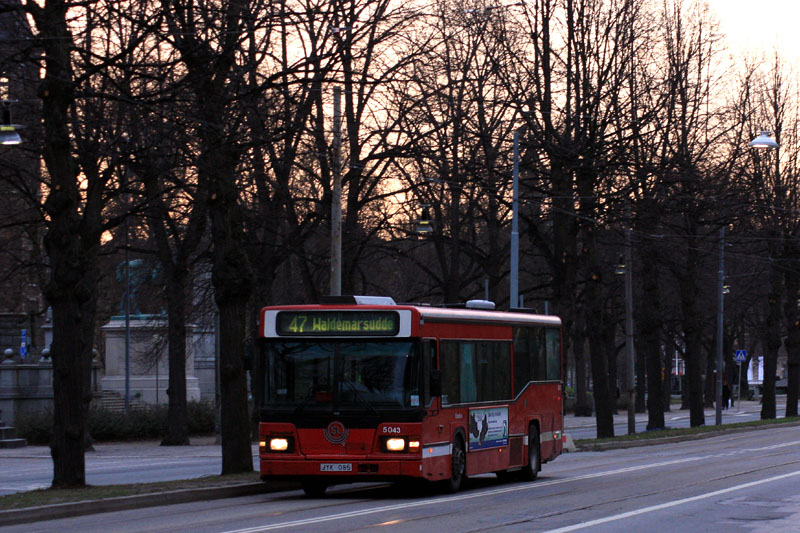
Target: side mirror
436,383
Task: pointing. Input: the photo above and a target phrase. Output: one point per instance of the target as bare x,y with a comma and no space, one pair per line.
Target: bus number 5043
363,389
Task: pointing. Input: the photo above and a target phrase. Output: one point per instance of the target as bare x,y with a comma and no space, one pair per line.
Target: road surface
746,481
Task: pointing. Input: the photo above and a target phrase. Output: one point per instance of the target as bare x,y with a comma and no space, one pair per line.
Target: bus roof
437,314
444,314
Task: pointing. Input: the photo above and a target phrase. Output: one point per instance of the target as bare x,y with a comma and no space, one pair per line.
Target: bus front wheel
530,471
458,465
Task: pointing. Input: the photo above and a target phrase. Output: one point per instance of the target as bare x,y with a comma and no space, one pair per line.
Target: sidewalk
204,446
676,414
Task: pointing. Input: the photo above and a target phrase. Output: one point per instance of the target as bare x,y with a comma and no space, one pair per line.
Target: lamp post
126,229
625,269
514,275
336,201
720,322
629,334
764,141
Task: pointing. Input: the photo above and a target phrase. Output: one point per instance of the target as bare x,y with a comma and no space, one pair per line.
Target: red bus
372,390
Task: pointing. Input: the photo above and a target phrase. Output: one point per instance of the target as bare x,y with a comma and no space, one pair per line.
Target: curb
124,503
569,444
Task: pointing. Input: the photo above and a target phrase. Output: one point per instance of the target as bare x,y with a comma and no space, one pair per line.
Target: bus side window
553,342
493,370
449,366
431,377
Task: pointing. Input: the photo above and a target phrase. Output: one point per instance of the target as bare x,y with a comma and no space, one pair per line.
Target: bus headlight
278,444
395,444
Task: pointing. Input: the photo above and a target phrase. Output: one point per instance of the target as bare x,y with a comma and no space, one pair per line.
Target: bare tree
774,185
462,121
574,89
208,37
79,170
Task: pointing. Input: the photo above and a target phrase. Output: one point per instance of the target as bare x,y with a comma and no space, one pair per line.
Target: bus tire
458,466
314,488
530,471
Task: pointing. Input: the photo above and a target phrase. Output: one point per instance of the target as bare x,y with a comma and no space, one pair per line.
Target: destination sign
337,323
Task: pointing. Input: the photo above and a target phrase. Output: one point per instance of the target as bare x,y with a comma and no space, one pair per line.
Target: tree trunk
641,377
177,433
582,405
72,281
232,280
69,428
235,420
597,347
650,333
692,333
602,399
772,343
792,290
666,389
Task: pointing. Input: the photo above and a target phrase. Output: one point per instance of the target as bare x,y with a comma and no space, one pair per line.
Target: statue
138,273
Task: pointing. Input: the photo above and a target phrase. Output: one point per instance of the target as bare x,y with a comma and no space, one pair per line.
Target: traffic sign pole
740,386
740,357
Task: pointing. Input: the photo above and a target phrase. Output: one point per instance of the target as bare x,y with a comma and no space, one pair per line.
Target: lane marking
667,505
505,490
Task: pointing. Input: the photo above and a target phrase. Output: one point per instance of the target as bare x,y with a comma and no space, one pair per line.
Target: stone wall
29,387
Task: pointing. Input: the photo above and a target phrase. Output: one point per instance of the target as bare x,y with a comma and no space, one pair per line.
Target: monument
141,339
149,360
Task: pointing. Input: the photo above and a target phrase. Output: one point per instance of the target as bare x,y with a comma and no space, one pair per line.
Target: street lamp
764,141
8,131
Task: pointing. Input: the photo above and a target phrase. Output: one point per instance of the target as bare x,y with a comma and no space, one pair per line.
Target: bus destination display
337,323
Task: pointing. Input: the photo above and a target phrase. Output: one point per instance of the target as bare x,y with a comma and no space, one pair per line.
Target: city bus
364,389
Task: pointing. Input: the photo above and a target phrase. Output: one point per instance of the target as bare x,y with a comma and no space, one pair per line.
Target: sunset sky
764,25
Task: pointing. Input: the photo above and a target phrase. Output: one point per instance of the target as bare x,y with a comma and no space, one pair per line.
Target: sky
762,25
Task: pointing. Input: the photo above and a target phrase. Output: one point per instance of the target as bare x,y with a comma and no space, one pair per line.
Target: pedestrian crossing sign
741,356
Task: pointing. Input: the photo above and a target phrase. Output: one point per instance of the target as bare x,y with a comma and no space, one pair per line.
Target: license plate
336,467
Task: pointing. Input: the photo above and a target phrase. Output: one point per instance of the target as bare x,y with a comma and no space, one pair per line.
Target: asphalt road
747,481
30,468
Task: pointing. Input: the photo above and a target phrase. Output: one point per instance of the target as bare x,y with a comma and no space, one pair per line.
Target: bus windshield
343,374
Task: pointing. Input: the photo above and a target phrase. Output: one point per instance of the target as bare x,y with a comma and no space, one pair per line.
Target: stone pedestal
149,361
8,437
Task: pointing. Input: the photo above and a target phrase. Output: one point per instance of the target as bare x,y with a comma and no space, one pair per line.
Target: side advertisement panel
488,428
